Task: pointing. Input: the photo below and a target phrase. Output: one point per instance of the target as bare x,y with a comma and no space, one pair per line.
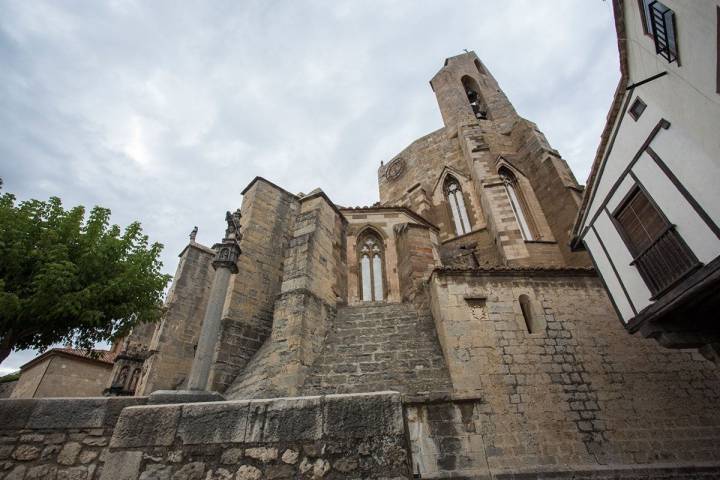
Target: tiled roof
102,356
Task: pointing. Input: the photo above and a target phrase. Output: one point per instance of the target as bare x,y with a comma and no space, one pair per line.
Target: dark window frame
637,103
669,230
650,28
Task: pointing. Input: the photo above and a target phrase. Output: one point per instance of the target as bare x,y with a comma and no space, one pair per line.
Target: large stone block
16,413
68,413
221,422
362,415
146,426
122,466
293,419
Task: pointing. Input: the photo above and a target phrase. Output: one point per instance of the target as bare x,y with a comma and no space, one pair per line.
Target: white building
651,212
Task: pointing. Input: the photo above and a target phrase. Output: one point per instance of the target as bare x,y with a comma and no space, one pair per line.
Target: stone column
225,264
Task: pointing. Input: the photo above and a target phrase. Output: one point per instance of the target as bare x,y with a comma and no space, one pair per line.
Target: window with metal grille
659,253
659,22
637,108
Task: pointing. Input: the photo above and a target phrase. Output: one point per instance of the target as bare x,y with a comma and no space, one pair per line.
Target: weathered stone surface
68,413
74,473
41,472
191,471
248,472
264,454
26,453
16,413
231,456
156,472
219,474
17,473
219,422
122,465
360,415
146,426
87,456
69,453
293,419
164,397
290,456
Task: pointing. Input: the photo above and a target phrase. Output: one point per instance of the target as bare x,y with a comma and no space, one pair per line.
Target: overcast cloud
163,111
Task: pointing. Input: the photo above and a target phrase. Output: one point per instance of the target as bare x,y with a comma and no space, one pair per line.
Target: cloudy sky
163,111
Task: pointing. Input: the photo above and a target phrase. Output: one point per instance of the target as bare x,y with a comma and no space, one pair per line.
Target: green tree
65,278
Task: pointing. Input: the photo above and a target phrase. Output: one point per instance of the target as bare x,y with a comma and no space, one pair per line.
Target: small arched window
370,253
456,201
472,90
517,202
479,67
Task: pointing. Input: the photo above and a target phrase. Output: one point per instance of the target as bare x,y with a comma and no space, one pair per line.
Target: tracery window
371,256
517,202
457,206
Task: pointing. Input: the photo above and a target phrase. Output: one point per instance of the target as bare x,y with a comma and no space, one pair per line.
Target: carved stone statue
193,234
233,222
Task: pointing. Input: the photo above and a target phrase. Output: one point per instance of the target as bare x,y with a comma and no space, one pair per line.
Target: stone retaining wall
334,436
63,439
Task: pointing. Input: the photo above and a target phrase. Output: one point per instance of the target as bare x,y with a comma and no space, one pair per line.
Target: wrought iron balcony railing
662,20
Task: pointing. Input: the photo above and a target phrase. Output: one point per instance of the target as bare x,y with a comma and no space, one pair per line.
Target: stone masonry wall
267,216
415,259
174,339
305,307
565,389
330,437
57,439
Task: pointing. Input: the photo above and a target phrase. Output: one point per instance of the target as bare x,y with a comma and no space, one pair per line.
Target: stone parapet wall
332,437
63,439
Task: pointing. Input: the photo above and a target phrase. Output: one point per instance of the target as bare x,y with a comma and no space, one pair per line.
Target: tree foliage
65,278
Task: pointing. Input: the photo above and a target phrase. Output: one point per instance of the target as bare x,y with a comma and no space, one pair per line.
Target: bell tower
489,179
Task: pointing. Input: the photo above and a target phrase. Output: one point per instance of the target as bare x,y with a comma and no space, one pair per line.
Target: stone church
458,290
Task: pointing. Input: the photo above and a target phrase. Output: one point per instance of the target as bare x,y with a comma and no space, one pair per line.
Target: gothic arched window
472,90
370,253
517,201
456,202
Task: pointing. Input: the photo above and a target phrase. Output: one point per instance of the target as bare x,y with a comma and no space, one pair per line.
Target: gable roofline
105,357
612,117
422,220
254,180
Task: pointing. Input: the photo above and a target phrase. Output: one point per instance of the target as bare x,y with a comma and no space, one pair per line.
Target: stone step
380,346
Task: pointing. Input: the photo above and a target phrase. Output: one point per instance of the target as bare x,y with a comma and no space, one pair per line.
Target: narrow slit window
526,309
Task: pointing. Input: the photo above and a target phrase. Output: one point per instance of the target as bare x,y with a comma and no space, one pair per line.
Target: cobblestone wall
63,439
333,437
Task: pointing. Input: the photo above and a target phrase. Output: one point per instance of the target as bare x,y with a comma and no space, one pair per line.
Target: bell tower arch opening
474,97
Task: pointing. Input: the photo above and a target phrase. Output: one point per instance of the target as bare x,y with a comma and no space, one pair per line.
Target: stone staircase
380,346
